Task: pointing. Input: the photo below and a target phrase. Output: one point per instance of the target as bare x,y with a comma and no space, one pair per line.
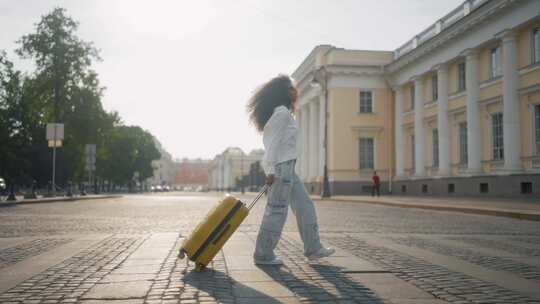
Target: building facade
460,107
192,174
344,95
164,168
228,167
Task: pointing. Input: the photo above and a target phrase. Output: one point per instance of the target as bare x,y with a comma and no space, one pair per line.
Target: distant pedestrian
376,184
271,110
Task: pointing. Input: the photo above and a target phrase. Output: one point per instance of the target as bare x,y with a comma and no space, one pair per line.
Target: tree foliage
63,88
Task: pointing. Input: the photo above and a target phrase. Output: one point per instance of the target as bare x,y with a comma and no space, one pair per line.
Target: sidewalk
21,201
521,208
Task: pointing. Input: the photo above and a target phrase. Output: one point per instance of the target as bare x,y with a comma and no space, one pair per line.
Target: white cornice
486,11
309,63
334,71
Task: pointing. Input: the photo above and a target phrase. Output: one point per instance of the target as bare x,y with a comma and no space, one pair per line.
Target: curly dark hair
279,91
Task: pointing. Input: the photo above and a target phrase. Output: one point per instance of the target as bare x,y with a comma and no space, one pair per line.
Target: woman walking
271,111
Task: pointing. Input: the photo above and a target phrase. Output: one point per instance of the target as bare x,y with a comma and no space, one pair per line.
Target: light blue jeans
287,189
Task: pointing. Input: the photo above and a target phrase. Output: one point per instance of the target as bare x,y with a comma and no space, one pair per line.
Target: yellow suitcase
217,227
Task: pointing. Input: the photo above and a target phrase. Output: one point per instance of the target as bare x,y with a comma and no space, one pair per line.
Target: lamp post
320,78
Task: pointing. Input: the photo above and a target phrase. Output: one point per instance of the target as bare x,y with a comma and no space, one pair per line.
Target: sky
184,70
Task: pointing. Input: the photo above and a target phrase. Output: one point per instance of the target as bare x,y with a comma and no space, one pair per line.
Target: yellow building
455,110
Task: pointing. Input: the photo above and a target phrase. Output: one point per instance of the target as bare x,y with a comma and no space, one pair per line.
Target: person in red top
376,184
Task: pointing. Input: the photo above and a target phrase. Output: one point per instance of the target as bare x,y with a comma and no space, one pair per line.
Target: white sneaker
322,253
276,261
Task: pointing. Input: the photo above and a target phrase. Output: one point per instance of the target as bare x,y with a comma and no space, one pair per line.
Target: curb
481,211
56,200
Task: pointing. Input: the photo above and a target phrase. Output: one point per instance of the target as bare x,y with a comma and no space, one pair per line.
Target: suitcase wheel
199,267
181,254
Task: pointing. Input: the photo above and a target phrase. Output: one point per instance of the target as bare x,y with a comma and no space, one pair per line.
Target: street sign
55,143
55,131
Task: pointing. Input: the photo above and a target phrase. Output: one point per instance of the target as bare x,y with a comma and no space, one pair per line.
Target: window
495,62
526,188
537,128
536,45
412,97
435,147
366,155
497,136
412,153
462,129
461,77
366,102
424,188
484,187
451,188
434,88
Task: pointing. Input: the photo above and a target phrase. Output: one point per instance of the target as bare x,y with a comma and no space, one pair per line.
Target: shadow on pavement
222,287
332,285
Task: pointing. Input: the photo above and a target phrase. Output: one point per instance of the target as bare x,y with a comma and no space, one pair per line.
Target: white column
511,133
419,169
399,131
321,147
473,117
442,120
305,141
313,138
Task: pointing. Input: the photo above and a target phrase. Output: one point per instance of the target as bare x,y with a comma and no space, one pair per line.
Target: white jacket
280,138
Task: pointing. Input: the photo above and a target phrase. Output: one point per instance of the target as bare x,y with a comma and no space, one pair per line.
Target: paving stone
352,263
260,290
143,269
119,290
285,300
15,254
129,301
111,278
390,287
250,276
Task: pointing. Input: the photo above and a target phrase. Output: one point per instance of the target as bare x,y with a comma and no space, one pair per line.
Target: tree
130,150
16,120
67,87
64,88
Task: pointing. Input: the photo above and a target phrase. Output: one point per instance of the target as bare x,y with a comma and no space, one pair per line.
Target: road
73,251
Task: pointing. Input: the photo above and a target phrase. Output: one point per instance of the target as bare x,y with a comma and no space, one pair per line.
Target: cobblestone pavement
441,282
67,281
18,253
320,281
499,244
418,256
164,213
527,271
177,282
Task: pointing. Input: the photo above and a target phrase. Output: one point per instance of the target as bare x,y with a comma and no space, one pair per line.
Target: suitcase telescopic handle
263,190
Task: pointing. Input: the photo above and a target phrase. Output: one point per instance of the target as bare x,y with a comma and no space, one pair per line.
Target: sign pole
54,164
